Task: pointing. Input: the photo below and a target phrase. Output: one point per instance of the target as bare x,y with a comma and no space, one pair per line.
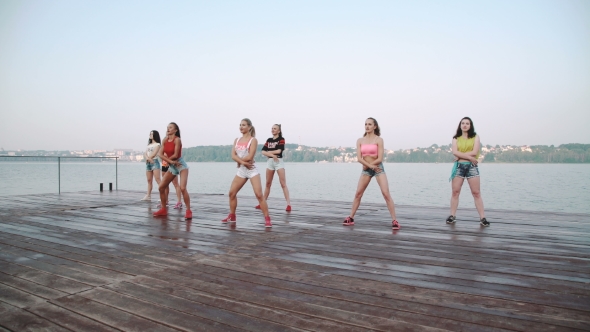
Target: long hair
252,130
471,133
177,129
156,135
377,130
280,129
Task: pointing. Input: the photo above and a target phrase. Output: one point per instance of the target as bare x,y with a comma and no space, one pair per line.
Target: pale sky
102,74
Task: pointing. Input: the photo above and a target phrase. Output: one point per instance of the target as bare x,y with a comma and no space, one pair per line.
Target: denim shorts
371,173
175,170
152,167
275,166
467,170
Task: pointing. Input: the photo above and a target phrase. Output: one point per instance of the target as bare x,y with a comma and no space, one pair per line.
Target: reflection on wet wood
91,261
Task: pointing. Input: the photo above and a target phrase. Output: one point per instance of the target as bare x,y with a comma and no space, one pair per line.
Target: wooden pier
92,261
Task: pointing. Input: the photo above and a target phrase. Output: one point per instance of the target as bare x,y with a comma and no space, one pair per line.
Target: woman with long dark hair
152,164
466,146
370,154
243,153
273,150
172,154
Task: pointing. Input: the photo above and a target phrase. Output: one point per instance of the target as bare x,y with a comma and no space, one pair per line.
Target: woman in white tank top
243,153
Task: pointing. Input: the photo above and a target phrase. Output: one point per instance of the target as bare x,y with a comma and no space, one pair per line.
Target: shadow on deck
100,262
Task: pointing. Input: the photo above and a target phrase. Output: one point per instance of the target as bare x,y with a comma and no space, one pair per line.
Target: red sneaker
257,207
267,222
188,215
161,212
348,221
288,208
395,225
230,217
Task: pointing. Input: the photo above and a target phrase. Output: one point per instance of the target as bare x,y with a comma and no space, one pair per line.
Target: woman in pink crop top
172,154
243,153
370,154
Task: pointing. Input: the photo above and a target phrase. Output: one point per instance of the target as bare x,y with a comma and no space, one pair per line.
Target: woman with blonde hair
243,153
370,154
273,150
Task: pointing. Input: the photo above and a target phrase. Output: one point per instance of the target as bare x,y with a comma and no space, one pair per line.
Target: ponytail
252,130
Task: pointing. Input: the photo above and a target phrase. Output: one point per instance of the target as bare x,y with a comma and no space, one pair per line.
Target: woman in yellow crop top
370,153
466,147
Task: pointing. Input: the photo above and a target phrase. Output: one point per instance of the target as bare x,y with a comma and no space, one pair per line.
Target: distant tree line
565,153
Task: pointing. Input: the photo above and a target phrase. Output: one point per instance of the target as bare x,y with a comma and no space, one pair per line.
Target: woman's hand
248,164
473,160
150,160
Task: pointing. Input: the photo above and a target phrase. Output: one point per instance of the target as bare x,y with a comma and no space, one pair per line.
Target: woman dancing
466,145
175,184
243,153
370,154
152,164
172,154
273,149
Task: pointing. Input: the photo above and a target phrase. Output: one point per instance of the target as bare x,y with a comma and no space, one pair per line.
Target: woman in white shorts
243,153
273,149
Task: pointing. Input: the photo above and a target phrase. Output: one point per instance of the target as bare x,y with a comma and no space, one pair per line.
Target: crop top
273,144
466,145
169,148
369,150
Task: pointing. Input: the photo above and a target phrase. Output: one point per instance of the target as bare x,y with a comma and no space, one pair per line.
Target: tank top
369,150
466,145
242,149
169,147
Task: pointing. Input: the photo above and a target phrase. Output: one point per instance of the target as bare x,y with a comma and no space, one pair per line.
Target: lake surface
541,187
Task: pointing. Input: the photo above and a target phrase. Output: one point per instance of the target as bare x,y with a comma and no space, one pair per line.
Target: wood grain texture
91,261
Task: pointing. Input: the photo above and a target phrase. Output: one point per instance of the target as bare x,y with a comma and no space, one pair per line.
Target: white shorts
245,173
275,166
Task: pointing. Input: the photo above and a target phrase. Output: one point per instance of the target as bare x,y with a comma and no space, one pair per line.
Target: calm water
545,187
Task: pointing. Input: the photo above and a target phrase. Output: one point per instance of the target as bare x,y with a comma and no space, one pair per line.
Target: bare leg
269,177
283,180
236,185
360,190
384,185
475,191
456,185
183,181
157,176
149,175
177,189
168,177
257,186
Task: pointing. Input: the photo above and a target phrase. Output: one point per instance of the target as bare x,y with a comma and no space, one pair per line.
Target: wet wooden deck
101,262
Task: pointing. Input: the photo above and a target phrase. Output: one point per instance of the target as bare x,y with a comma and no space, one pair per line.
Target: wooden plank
15,319
107,315
68,319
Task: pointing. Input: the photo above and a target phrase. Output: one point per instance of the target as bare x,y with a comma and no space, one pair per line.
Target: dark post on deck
59,175
110,186
101,186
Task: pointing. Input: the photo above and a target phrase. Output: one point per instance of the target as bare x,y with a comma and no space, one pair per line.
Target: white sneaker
147,198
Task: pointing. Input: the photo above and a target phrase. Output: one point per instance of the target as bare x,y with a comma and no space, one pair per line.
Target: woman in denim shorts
466,146
370,154
172,154
152,164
